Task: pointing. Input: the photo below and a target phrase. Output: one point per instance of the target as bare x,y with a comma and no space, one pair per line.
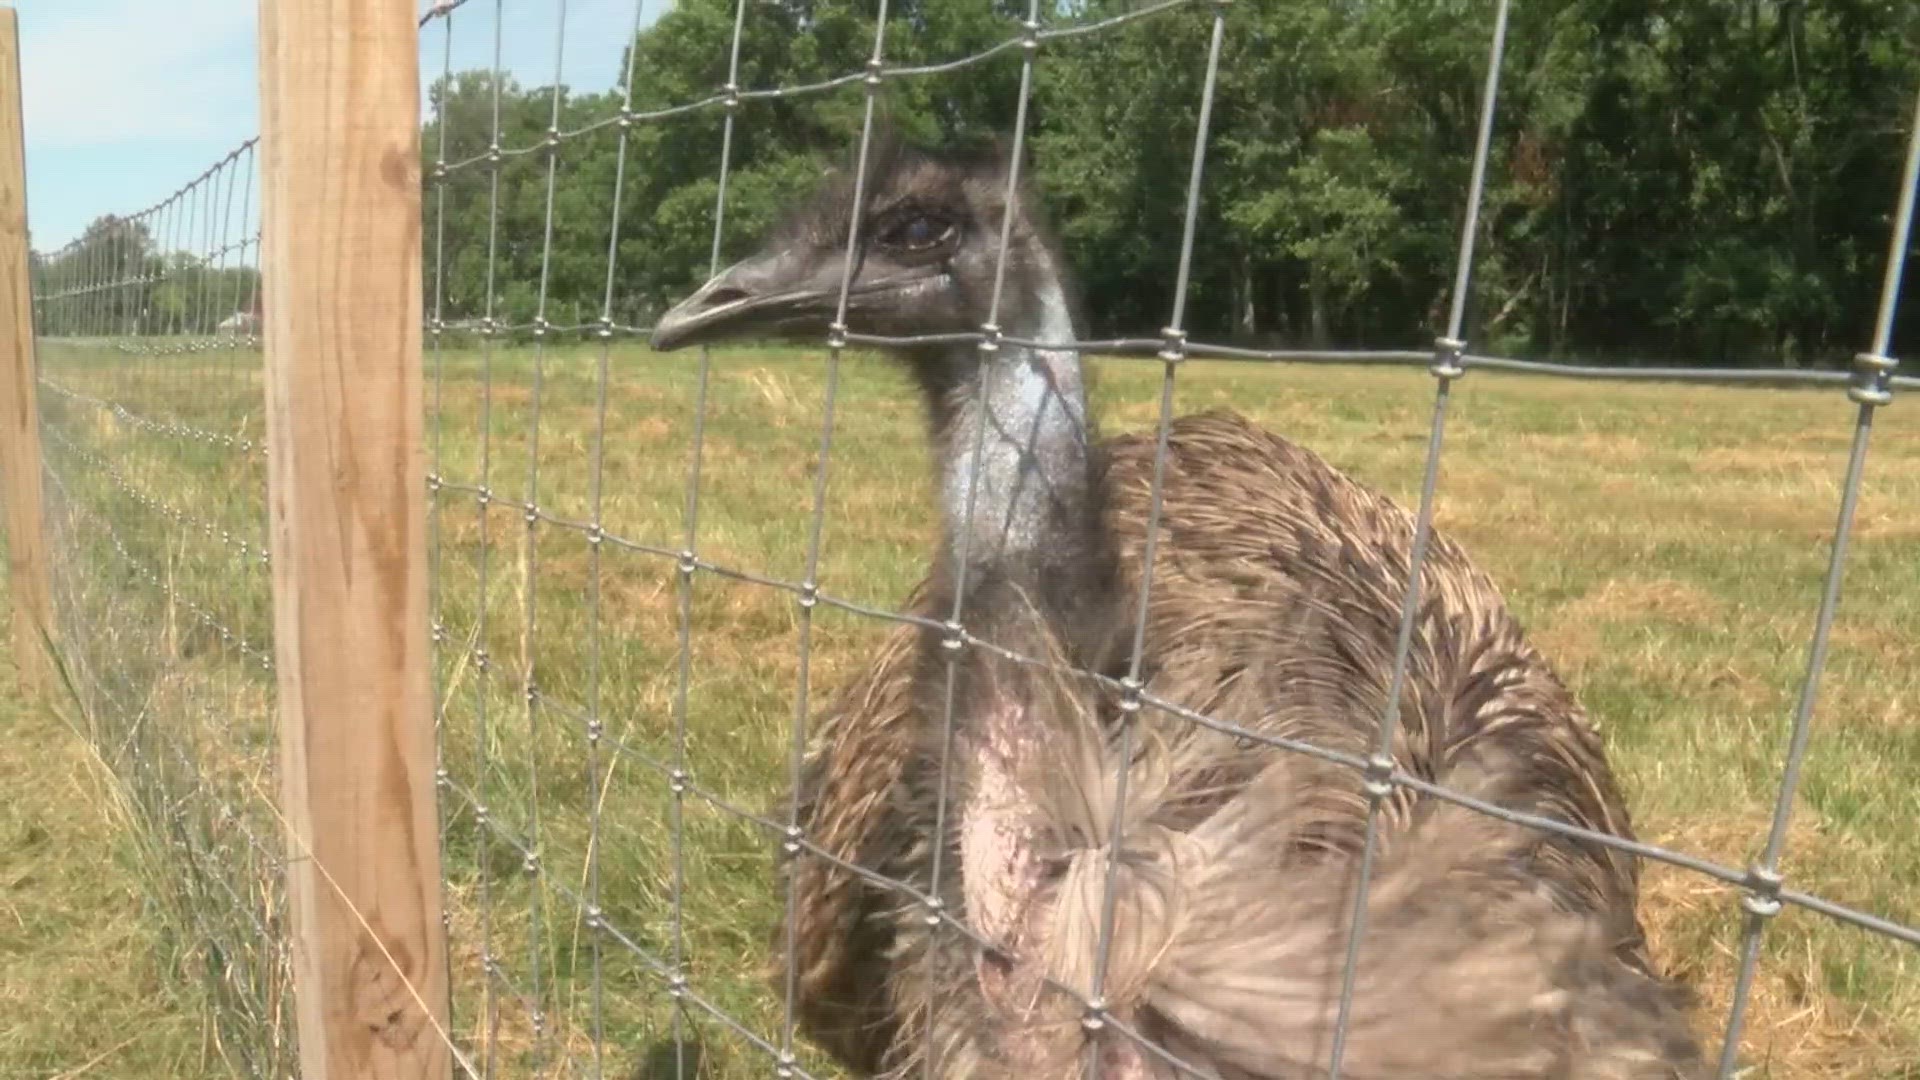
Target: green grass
1665,545
89,982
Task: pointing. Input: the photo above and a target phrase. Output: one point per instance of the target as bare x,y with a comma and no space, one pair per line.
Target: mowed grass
1665,545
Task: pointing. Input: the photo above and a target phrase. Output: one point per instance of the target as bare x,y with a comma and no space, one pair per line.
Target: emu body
1491,950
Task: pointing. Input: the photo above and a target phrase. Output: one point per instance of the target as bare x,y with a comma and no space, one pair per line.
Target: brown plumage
1491,950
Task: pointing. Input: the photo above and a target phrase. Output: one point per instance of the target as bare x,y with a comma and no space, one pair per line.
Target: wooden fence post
340,191
19,401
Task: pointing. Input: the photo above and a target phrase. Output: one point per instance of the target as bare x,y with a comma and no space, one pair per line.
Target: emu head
924,257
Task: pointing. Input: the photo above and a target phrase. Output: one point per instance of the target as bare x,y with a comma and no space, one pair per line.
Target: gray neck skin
1032,511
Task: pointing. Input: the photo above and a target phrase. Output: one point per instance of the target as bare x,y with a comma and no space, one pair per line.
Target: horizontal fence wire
593,818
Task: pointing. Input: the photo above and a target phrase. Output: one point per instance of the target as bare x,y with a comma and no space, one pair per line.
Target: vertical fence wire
816,522
678,777
595,731
989,348
436,466
491,979
1446,368
530,585
1762,899
1171,357
689,556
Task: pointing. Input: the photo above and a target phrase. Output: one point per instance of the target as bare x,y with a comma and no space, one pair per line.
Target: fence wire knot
1448,353
1130,691
1378,775
1872,379
1094,1020
953,637
1173,344
989,338
936,912
1762,900
875,69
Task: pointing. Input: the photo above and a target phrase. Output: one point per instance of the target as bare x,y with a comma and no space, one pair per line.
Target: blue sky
126,100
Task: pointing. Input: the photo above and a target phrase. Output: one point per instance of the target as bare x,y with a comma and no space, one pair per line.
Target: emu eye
918,233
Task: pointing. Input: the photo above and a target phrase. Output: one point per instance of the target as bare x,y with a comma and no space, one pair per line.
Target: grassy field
1665,545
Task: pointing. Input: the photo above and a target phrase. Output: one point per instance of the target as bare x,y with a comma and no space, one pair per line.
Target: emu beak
781,292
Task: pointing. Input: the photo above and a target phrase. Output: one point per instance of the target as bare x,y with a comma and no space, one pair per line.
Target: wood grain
19,401
340,190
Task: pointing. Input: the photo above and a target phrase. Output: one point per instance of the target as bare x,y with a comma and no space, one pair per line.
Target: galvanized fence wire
155,481
95,298
1869,385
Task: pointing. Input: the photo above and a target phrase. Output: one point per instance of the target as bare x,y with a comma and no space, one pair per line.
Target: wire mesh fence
632,571
149,373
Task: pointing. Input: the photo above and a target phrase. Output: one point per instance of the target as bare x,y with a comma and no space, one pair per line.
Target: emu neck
1013,441
1014,459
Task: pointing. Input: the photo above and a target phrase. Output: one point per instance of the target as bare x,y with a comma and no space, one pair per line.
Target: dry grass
1666,545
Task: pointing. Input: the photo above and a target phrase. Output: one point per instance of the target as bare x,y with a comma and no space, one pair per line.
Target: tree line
115,279
1711,181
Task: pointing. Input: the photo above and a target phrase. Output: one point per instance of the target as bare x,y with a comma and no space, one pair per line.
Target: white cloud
104,71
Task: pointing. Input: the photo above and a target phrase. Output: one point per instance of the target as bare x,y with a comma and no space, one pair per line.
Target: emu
1491,949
